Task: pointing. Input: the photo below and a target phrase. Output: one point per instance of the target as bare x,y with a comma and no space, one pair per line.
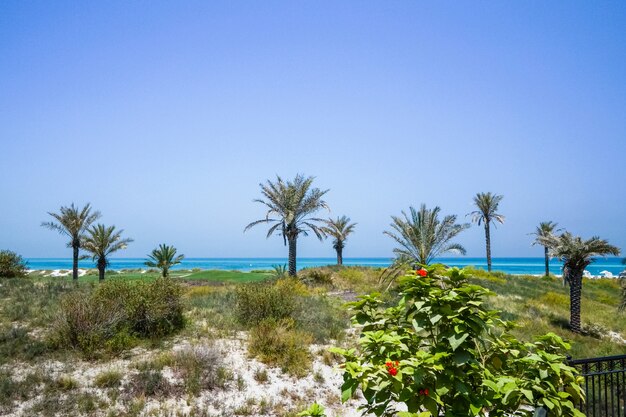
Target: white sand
280,389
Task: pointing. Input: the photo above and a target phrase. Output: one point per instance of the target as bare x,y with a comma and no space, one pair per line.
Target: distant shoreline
510,265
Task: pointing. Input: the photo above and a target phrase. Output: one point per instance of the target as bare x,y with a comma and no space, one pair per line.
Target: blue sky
167,115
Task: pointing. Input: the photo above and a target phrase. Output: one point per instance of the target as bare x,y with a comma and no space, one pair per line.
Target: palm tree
102,241
423,237
487,205
164,257
289,207
545,229
576,254
73,222
339,229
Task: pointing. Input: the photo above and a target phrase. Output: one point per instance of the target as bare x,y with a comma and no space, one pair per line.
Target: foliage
487,205
576,254
257,302
164,257
279,271
152,309
102,241
12,265
316,276
339,229
108,379
117,312
622,304
278,343
422,236
73,223
289,207
439,351
200,368
315,410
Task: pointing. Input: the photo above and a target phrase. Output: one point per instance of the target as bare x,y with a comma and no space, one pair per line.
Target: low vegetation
12,265
151,339
118,312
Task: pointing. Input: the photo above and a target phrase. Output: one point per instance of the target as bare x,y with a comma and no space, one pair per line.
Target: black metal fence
605,385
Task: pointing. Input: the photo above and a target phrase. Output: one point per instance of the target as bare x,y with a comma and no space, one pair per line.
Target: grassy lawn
212,276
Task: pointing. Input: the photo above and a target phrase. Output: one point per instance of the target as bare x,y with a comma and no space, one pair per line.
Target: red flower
421,272
393,371
426,391
388,364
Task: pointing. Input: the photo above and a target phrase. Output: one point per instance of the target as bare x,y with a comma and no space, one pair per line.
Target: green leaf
436,318
456,340
528,394
348,389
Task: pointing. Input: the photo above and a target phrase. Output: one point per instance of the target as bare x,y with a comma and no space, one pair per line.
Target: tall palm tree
339,229
289,207
487,204
164,257
73,222
101,241
422,236
576,254
543,230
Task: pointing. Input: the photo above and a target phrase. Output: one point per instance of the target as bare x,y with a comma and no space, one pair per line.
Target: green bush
152,309
87,323
440,351
277,343
316,276
257,302
322,317
119,312
11,265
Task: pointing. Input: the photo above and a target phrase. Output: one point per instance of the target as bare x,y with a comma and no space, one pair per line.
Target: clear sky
167,115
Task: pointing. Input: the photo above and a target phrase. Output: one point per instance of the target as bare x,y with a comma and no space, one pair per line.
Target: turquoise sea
508,265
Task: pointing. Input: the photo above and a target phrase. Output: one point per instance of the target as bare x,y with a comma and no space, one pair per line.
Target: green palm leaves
72,222
422,236
164,257
290,205
576,254
101,241
487,213
339,229
545,229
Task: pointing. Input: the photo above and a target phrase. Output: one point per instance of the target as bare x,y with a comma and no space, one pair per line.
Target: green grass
540,305
212,276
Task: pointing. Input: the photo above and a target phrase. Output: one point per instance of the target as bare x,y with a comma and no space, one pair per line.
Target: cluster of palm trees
101,241
421,235
291,206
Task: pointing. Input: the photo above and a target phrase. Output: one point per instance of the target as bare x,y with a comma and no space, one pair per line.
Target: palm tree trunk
75,247
292,256
339,256
547,261
575,278
488,243
101,269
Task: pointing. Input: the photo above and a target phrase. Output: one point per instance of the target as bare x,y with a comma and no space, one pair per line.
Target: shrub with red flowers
439,351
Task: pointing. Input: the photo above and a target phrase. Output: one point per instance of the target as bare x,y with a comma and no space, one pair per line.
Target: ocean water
508,265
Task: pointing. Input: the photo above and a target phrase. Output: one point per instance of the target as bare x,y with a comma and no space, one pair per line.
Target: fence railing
604,386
